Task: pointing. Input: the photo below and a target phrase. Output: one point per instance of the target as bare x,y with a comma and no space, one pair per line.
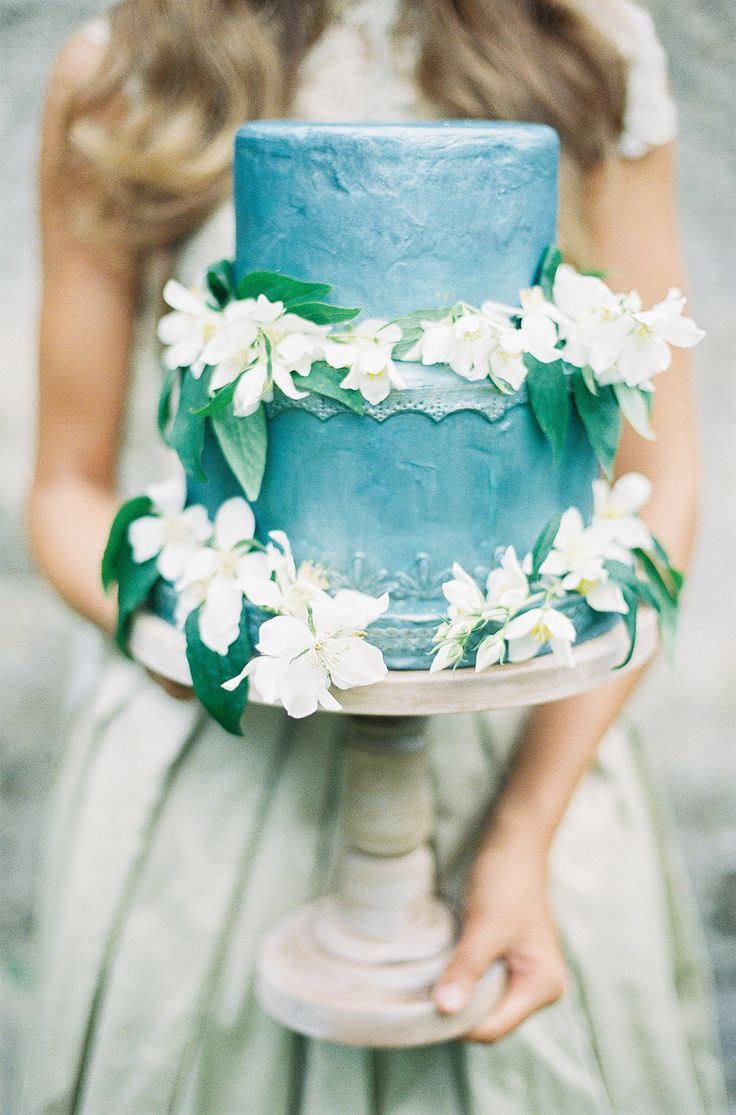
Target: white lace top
361,69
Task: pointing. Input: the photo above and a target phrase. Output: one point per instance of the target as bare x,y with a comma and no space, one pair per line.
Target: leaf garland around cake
312,639
237,342
521,608
231,346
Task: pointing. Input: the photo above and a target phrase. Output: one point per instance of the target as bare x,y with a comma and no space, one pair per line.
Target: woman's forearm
557,746
560,739
68,524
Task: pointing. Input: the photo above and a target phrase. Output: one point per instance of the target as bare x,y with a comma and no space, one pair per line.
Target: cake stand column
358,966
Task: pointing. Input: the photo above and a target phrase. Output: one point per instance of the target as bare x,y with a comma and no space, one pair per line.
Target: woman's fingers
529,988
475,952
180,692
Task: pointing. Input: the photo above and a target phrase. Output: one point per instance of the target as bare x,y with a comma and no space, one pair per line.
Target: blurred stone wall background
688,718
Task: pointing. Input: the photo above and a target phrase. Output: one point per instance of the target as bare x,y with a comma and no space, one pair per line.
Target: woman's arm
87,315
634,212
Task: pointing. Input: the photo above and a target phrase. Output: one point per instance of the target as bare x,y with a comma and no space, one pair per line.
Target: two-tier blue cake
397,218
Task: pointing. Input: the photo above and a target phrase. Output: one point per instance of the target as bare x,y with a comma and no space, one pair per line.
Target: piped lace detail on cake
435,404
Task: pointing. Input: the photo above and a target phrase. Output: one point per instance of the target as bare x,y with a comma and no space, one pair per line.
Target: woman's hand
173,688
507,917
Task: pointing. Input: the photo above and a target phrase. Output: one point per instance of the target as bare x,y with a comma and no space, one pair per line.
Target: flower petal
448,655
304,686
353,662
174,557
284,637
489,652
146,536
183,299
234,523
219,619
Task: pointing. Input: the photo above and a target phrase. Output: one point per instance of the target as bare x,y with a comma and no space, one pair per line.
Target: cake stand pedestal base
358,966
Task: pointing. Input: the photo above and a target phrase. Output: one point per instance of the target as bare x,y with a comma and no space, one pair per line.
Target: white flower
507,587
296,345
215,574
506,360
300,659
645,347
465,344
507,590
527,633
463,594
173,532
448,654
591,322
621,342
538,326
490,651
577,557
262,344
366,351
234,347
281,587
474,337
187,330
616,513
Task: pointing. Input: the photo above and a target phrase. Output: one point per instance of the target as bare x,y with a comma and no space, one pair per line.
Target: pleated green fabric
174,846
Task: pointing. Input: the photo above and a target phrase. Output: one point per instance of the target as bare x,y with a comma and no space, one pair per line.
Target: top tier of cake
398,217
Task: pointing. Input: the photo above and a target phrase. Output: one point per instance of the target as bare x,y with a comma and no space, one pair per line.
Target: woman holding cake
168,839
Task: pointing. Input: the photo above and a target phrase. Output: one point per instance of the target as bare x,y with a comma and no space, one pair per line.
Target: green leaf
594,272
210,670
590,381
128,513
675,575
551,260
634,408
668,593
544,544
321,314
187,431
665,601
218,402
134,586
412,329
550,400
244,442
221,282
163,416
280,288
601,418
324,380
630,618
627,577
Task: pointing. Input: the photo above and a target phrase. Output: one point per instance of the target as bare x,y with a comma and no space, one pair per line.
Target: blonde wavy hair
149,138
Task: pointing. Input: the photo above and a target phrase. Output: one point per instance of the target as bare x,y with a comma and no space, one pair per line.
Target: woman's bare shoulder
77,62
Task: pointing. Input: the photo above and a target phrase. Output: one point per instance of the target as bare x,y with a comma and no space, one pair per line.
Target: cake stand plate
358,966
160,647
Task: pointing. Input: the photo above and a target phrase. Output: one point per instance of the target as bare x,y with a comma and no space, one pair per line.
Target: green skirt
174,846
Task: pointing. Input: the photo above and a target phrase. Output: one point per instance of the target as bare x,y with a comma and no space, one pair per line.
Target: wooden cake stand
357,966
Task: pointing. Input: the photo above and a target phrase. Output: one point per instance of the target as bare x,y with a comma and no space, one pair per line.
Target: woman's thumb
474,953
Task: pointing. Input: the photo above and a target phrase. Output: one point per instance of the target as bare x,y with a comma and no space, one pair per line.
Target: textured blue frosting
397,218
